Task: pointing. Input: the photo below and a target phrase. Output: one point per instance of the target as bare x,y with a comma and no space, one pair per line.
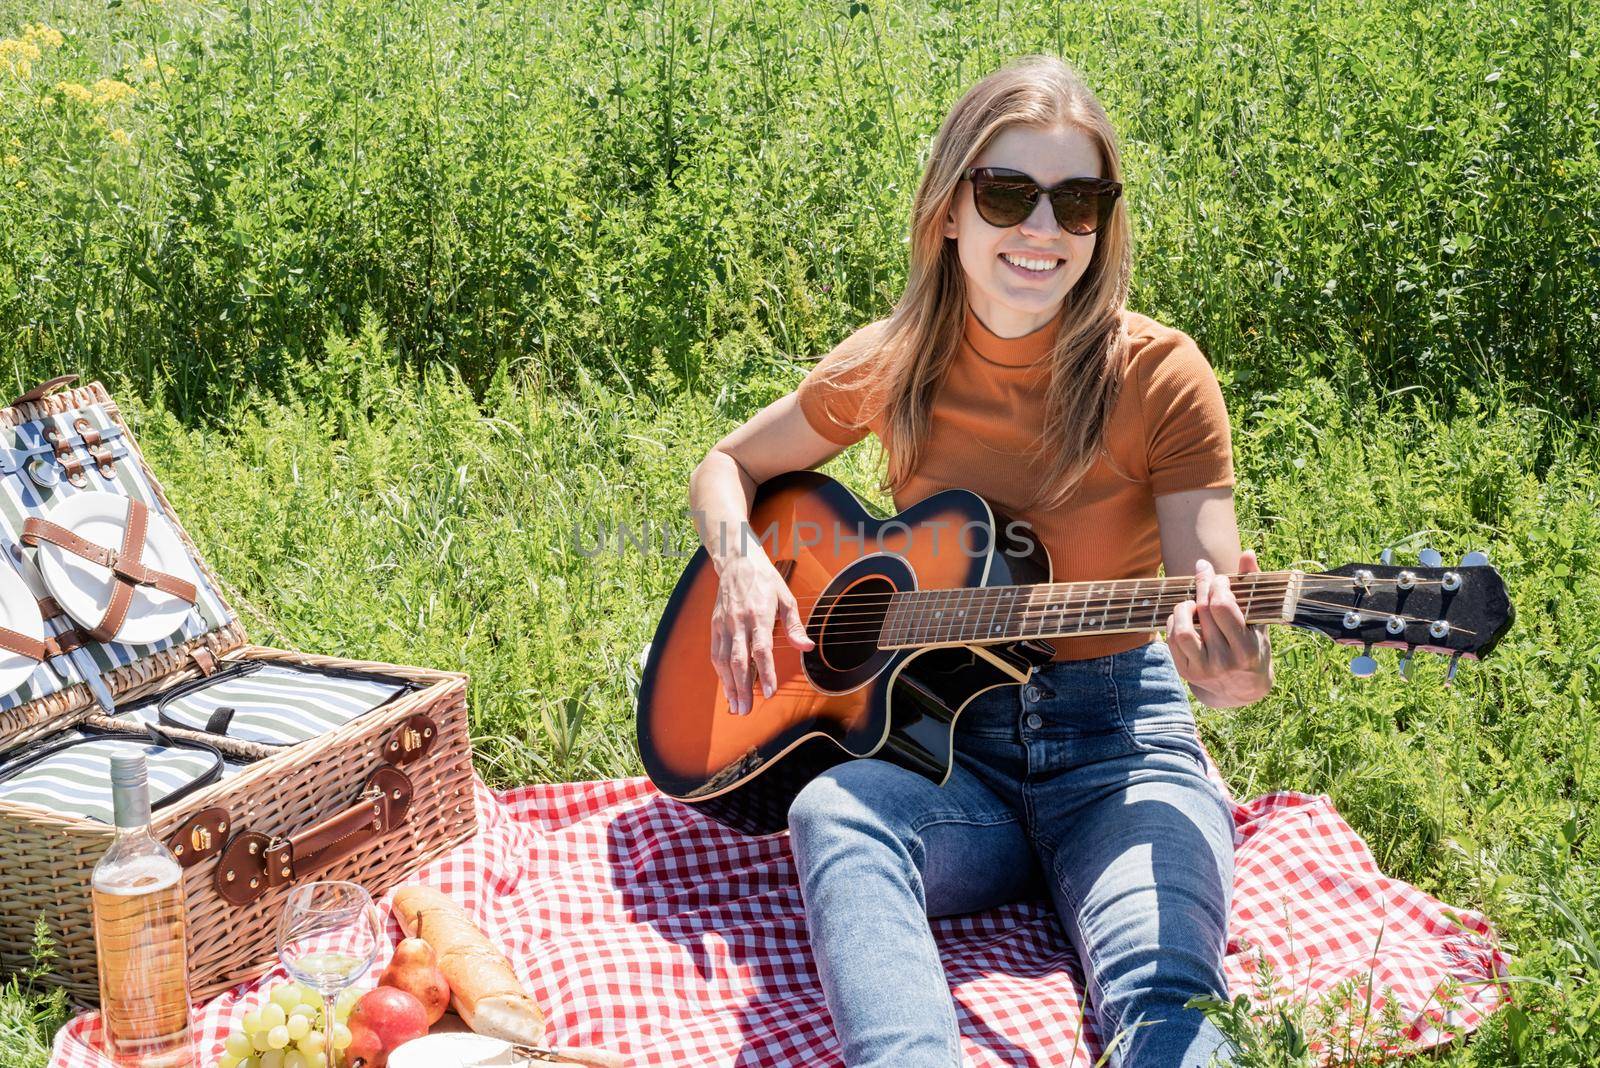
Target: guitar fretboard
919,618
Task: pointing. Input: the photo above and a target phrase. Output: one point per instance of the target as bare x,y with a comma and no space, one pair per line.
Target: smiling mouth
1022,265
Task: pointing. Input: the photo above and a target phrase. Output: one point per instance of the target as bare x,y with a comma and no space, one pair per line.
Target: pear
415,969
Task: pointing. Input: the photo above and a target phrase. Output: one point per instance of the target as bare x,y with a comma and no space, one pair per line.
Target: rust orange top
1168,431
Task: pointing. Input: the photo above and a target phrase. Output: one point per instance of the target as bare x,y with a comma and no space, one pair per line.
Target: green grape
347,1001
227,1060
251,1061
341,1036
313,1042
278,1037
272,1015
251,1021
288,996
258,1040
316,1060
294,1059
239,1045
299,1027
272,1059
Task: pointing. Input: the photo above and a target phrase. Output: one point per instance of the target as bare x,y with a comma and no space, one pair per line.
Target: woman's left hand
1226,661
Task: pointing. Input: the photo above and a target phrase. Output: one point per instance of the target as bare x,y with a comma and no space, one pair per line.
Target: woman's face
1009,299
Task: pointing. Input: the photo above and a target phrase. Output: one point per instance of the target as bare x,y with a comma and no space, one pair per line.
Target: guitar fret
1133,600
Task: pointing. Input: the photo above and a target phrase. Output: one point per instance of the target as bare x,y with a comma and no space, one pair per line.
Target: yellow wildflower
12,49
120,136
13,161
18,56
74,91
148,63
111,91
40,34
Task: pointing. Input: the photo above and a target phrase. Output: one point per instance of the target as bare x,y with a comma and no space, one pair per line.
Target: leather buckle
136,573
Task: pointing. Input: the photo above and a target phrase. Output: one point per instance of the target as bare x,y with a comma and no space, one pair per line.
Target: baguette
484,991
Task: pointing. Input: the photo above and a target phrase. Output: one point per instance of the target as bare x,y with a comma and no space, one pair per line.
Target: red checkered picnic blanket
646,929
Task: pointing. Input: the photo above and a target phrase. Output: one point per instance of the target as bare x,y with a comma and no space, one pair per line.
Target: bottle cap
128,769
130,792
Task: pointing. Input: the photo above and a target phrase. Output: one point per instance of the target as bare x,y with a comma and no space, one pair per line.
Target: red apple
415,969
381,1020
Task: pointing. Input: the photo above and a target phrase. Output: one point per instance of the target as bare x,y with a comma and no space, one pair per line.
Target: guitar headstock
1453,611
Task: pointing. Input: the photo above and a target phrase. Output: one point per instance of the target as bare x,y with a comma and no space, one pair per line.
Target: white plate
451,1050
83,589
19,611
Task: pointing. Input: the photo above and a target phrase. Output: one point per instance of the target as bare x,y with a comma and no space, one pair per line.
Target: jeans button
1035,721
1031,693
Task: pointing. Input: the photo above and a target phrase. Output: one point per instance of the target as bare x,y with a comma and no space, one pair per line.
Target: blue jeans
1086,784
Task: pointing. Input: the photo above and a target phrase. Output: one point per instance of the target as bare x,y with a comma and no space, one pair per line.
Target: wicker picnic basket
368,801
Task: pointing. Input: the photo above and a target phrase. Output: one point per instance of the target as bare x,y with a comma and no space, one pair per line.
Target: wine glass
327,939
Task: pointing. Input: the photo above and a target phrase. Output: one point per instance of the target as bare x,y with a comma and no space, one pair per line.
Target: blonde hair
914,346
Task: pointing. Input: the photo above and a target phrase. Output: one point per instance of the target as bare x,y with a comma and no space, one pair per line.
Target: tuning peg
1450,672
1405,662
1386,557
1476,558
1363,666
1430,558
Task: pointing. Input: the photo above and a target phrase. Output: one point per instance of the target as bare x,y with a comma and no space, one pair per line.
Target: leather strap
14,642
43,388
64,642
126,563
251,862
204,659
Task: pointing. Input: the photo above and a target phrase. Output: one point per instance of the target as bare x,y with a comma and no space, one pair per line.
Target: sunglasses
1005,197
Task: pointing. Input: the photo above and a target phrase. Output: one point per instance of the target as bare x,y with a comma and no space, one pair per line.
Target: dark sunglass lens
1004,203
1077,214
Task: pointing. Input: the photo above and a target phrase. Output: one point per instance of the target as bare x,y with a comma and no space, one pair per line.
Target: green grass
407,301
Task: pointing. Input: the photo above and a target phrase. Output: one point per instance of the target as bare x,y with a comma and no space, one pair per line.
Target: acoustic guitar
915,615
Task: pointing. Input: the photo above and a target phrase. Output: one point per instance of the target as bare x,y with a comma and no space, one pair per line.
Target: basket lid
101,588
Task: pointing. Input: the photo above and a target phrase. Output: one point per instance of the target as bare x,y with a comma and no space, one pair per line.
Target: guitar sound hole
849,634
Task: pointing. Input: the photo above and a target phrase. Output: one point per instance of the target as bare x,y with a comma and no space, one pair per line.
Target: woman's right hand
750,596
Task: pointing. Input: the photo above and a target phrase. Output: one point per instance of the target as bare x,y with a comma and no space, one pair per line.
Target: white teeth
1032,265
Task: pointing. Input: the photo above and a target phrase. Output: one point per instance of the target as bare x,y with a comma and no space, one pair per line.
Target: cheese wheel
484,991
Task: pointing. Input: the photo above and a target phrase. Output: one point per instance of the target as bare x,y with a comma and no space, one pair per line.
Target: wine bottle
141,934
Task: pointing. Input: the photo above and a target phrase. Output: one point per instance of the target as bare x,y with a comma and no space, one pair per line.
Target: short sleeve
832,404
1187,436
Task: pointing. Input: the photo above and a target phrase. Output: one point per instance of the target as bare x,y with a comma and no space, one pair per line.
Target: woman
1010,366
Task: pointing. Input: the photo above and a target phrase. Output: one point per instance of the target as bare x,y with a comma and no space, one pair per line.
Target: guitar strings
1329,612
996,596
1118,585
1325,609
1037,614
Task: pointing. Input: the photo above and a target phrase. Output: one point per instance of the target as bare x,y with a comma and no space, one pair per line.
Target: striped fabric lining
76,780
20,498
278,704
